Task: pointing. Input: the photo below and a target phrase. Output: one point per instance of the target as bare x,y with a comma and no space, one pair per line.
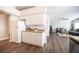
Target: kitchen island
34,37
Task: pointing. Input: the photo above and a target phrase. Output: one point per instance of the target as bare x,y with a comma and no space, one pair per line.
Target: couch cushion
77,30
74,33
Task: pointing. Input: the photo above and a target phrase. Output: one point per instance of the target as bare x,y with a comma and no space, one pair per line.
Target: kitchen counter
35,31
33,37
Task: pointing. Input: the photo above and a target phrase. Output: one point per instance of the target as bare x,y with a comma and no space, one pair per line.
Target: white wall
61,24
56,14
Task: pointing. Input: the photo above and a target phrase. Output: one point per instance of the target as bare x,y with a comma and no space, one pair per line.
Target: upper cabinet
13,21
36,19
35,16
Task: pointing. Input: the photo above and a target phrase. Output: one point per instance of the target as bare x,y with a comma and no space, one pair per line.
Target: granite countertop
35,30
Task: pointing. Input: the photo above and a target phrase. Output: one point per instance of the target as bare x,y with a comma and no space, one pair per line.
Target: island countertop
35,30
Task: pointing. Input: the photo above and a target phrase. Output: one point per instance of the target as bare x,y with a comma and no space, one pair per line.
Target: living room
64,21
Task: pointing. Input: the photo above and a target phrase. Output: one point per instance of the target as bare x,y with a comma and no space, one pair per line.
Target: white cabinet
36,19
38,39
14,35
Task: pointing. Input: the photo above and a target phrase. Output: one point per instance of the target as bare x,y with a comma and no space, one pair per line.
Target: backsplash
37,26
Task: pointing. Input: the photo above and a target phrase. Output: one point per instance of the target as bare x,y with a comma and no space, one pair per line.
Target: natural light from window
77,25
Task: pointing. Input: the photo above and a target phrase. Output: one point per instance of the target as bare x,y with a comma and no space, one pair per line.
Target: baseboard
5,38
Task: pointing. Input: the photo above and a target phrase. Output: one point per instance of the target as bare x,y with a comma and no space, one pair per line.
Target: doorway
4,26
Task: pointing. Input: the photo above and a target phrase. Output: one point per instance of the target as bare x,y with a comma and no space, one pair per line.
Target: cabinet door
14,35
28,20
13,24
35,19
32,38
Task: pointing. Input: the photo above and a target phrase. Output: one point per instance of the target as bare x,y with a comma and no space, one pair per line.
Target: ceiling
23,7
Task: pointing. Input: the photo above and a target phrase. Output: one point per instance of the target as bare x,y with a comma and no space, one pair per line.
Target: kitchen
32,28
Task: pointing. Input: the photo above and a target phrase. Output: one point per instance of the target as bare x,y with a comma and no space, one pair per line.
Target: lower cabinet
34,38
15,35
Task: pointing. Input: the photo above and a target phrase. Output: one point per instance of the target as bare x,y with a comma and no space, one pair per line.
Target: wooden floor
74,46
55,44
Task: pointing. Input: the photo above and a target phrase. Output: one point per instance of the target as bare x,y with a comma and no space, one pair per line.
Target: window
77,25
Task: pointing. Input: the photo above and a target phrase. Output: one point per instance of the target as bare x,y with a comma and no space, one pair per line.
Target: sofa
74,35
60,30
74,40
74,32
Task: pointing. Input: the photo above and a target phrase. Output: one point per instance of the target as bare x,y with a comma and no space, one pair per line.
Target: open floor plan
39,29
